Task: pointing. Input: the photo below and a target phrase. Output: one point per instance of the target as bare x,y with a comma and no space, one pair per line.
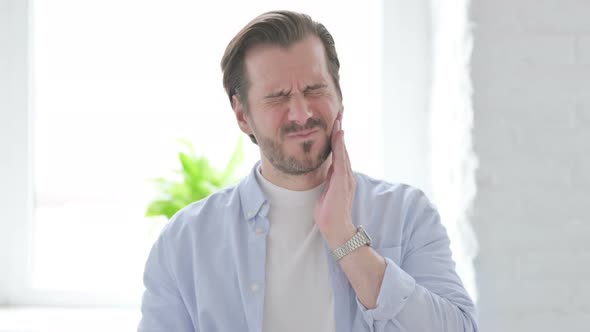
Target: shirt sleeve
424,293
162,307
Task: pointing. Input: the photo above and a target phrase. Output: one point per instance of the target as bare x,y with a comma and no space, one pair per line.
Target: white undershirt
298,292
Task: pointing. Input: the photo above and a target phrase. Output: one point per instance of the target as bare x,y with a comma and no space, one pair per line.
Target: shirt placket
257,235
342,293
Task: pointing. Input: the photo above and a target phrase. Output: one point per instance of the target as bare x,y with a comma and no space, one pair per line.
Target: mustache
310,124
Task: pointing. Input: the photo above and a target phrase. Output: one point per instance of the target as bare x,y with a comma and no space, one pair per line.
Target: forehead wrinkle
283,61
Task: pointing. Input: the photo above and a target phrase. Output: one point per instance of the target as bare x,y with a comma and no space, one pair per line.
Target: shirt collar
251,196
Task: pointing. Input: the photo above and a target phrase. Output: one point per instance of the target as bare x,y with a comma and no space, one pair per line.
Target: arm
162,307
364,268
424,293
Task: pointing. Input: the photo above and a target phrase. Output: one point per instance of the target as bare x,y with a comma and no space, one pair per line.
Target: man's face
292,104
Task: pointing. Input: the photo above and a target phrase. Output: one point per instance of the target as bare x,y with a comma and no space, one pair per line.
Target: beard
309,161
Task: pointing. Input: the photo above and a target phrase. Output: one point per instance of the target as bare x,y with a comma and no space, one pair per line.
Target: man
284,249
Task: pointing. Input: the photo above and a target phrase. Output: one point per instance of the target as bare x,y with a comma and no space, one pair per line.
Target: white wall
406,86
531,79
14,152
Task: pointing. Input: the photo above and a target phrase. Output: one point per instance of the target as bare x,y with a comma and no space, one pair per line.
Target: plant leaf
195,180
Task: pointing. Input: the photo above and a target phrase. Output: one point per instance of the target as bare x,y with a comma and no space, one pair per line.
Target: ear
241,117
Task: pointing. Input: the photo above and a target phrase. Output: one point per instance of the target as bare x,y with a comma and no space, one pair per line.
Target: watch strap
359,239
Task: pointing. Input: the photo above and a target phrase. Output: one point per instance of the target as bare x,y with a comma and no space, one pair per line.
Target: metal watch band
359,239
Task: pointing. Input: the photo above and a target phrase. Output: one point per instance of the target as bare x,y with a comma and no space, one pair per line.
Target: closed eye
283,95
277,94
316,89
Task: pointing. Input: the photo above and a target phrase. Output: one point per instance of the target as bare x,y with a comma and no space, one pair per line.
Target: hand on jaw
333,212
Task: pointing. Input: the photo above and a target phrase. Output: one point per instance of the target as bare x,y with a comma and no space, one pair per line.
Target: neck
300,182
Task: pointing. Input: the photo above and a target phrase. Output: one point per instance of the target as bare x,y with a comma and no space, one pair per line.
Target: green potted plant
197,179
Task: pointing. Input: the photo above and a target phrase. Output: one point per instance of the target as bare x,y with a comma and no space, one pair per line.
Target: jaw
306,151
309,154
292,168
295,155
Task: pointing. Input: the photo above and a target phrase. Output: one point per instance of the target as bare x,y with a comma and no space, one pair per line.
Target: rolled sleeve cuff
396,288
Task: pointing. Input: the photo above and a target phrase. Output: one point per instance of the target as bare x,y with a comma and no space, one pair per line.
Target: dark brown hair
282,28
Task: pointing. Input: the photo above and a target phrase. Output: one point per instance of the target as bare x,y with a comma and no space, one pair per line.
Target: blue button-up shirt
206,271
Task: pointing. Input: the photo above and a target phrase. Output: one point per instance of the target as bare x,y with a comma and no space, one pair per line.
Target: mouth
303,134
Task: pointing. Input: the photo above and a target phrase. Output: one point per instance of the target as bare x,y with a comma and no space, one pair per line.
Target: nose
299,111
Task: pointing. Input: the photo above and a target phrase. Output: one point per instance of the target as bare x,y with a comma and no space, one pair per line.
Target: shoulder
401,194
393,210
191,219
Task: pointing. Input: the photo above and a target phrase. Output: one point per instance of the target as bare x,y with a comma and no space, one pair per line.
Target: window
94,96
115,84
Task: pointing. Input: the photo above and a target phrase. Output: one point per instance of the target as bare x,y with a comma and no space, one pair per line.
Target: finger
328,179
334,138
335,128
330,173
350,173
337,124
338,153
347,175
346,156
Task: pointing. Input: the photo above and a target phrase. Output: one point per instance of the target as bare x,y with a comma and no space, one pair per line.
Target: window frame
16,199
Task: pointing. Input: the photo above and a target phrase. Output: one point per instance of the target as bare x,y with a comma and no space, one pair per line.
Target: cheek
269,125
327,109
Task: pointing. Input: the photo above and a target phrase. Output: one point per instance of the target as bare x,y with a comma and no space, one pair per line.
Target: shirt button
259,230
250,214
254,287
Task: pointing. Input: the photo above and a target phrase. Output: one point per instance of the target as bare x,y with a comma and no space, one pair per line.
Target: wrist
339,236
360,239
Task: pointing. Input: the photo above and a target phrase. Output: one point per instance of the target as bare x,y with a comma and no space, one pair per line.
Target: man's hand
333,212
363,267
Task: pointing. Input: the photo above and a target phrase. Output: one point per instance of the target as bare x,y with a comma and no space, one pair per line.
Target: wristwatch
359,239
